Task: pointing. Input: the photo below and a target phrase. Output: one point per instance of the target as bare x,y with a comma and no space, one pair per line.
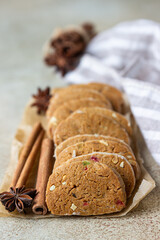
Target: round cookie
113,115
116,161
89,122
111,93
81,138
67,94
109,146
63,111
85,188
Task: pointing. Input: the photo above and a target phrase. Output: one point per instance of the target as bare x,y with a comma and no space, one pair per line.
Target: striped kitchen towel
128,57
145,105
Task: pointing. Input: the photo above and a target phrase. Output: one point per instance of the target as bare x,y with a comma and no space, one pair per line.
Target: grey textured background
24,27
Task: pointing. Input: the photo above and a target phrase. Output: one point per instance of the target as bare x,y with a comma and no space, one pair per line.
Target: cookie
89,121
109,146
85,188
67,94
111,93
77,139
116,161
115,116
62,112
81,138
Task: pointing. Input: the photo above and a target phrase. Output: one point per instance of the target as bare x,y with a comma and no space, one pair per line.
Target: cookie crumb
75,213
115,160
79,111
73,207
52,188
105,143
96,135
64,177
74,153
114,115
53,120
122,165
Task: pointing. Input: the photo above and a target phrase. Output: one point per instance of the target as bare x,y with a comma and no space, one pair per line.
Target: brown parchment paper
143,187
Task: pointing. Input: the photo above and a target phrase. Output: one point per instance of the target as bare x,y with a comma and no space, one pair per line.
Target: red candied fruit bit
85,168
95,159
119,202
85,203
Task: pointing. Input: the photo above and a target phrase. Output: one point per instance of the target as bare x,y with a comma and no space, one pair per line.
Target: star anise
18,198
68,47
42,100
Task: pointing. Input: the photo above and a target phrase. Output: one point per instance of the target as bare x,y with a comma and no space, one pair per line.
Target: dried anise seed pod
18,198
69,44
42,100
68,48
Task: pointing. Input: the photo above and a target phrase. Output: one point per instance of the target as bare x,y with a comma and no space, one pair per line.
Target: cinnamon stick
30,160
25,152
44,171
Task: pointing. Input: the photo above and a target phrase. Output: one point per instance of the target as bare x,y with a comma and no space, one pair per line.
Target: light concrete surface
24,27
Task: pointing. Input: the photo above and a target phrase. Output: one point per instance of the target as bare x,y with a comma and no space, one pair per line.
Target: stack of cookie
95,171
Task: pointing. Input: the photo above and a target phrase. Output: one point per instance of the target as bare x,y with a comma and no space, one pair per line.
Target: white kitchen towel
128,57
